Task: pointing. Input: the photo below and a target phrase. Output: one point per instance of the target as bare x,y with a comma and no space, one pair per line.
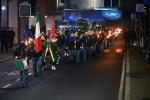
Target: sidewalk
138,75
7,56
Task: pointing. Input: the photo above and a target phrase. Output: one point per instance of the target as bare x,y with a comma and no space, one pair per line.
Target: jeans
36,60
23,77
85,51
62,50
93,49
101,47
76,56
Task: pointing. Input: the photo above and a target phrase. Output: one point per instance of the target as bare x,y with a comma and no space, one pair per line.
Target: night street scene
75,50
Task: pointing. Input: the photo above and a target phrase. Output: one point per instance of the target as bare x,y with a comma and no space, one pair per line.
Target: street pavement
137,77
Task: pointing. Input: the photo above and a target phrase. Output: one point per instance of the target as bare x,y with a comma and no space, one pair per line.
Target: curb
7,59
122,82
127,80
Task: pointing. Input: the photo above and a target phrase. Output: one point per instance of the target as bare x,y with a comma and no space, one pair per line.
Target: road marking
3,73
17,80
29,74
119,50
6,86
13,73
122,82
106,50
127,84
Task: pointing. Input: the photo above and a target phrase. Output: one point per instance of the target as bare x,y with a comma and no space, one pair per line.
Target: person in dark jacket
93,48
87,44
132,37
61,43
22,53
4,40
75,50
11,37
147,48
36,58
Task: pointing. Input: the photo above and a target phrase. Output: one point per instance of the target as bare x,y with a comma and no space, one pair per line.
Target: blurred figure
132,37
11,36
147,48
142,36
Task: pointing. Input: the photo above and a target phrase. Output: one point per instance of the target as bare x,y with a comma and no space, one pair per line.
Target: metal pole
139,22
149,18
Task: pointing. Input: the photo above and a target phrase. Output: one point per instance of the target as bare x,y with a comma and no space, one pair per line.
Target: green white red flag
52,32
38,42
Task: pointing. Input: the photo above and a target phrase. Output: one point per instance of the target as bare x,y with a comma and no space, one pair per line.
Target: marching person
19,53
87,44
54,63
74,49
77,50
93,47
36,58
61,43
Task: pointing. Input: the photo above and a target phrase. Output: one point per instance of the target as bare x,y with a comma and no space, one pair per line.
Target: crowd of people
77,44
6,38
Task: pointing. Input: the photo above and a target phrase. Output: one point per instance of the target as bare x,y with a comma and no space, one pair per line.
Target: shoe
21,86
53,67
26,86
57,64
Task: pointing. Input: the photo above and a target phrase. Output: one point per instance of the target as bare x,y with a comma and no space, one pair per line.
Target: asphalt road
97,80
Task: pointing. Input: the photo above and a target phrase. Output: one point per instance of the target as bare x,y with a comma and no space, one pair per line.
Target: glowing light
3,8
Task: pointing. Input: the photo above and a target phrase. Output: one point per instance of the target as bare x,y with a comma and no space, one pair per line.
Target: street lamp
3,8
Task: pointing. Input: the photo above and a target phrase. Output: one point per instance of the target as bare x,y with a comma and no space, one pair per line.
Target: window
115,3
107,3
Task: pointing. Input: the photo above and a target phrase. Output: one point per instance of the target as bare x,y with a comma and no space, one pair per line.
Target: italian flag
38,42
52,32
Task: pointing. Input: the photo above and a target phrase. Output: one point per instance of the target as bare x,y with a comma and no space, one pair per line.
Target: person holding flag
36,49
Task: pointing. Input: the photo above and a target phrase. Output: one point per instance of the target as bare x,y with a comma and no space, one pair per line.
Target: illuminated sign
112,15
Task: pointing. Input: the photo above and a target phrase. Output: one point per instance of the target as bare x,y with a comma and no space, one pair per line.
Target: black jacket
61,40
22,51
87,41
33,53
77,42
94,39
